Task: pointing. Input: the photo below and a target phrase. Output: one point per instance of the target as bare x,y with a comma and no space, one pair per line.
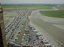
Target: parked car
47,45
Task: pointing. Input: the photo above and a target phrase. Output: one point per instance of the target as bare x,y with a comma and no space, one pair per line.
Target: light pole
2,30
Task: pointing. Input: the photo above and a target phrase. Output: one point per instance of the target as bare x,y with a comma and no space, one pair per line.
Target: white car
35,31
39,34
47,45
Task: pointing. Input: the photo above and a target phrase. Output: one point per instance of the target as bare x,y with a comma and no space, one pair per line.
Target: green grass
56,13
26,7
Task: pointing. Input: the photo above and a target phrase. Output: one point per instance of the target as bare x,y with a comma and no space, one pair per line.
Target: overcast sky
32,1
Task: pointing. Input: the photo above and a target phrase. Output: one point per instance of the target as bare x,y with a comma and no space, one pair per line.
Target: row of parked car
39,37
11,28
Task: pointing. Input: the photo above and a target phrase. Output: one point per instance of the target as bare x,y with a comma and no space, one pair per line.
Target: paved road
49,28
